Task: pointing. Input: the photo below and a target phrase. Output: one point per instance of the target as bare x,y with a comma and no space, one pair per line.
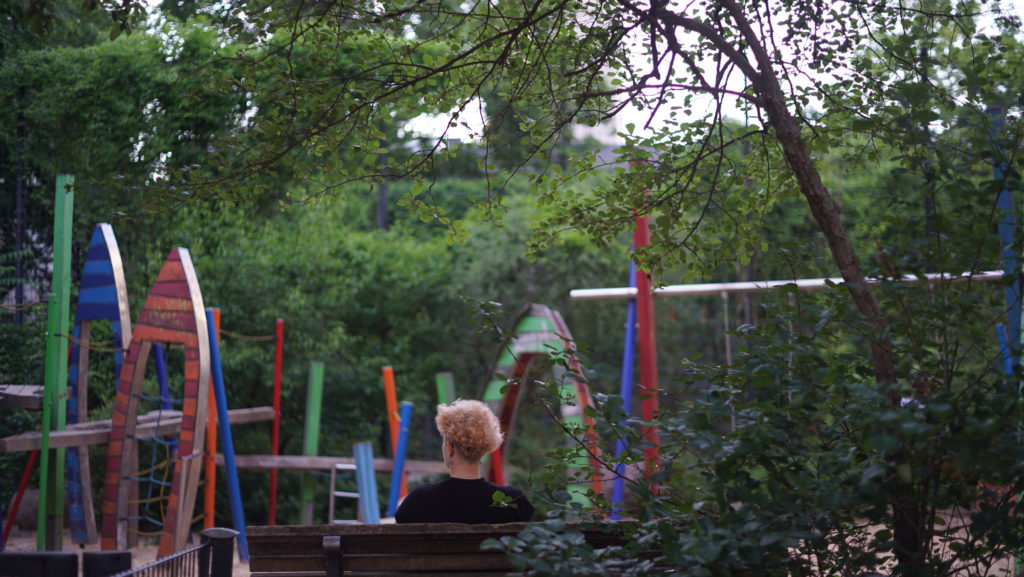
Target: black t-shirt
463,501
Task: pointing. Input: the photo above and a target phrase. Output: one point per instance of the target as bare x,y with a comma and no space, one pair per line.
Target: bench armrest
332,555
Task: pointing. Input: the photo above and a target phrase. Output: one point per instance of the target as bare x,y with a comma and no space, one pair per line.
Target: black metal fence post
105,563
221,552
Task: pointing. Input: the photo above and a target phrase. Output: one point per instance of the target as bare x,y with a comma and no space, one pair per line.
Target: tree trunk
907,514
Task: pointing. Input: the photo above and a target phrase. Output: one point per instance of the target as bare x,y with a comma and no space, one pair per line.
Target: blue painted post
1004,350
366,483
626,391
165,389
237,515
1007,227
399,461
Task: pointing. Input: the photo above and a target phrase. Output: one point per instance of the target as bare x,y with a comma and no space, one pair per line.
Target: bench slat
443,562
419,550
283,563
474,573
383,562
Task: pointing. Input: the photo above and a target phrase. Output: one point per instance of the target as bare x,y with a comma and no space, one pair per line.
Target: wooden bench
424,550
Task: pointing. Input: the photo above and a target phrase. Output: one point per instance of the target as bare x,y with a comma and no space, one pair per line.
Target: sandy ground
21,540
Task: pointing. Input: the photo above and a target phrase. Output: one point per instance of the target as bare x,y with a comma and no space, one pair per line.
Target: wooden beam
22,396
321,463
152,424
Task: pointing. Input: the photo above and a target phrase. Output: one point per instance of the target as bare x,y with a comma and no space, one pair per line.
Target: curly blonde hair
470,426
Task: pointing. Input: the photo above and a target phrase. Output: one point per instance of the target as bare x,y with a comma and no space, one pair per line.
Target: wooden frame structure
539,331
173,313
103,295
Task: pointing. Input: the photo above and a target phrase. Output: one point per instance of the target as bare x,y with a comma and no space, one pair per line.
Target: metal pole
222,541
766,285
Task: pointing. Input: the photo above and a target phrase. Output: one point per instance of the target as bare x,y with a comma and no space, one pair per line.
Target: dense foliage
870,426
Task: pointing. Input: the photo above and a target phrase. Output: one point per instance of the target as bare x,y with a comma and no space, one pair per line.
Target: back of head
471,426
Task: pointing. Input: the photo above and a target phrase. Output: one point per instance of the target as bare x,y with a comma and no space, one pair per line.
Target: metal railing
213,557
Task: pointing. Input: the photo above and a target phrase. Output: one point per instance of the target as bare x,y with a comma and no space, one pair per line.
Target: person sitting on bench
470,432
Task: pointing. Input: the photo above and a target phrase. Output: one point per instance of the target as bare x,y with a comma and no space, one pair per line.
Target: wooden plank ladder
368,510
335,494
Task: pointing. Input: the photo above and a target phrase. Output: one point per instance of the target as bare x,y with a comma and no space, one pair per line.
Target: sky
434,126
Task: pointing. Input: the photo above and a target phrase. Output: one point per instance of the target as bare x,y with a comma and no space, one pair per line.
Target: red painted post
648,348
275,432
21,493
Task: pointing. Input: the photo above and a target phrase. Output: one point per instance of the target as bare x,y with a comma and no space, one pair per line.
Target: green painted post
52,342
311,438
445,388
51,485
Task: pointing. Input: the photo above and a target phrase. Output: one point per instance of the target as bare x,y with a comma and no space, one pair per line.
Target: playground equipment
173,313
398,478
102,295
366,487
50,519
632,292
311,438
394,419
539,331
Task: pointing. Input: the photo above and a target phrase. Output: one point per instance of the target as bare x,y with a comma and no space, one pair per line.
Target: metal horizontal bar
763,286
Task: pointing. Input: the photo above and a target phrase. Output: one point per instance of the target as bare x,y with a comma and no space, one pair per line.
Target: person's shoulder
426,489
419,504
510,490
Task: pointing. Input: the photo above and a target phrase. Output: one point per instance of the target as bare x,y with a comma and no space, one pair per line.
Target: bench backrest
421,549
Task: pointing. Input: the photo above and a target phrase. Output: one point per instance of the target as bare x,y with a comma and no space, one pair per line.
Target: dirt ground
21,540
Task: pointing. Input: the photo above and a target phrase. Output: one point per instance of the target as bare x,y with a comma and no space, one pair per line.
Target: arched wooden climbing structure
539,332
102,295
173,313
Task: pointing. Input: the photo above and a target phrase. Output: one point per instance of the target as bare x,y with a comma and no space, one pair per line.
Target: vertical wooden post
445,388
626,392
648,348
51,482
275,432
398,467
45,464
210,460
391,400
221,399
311,439
1007,228
366,483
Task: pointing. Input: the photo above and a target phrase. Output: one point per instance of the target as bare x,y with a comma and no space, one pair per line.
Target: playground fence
213,557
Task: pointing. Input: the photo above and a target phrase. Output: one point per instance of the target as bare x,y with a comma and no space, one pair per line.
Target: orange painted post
391,400
210,489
